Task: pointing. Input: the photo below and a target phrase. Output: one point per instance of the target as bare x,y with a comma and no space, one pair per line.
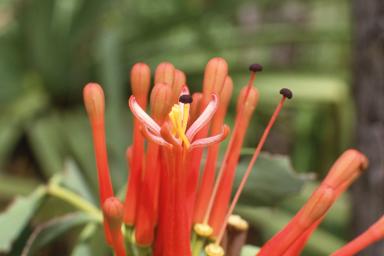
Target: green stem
197,243
128,240
75,200
144,251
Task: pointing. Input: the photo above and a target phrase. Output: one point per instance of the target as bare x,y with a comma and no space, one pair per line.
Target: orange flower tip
250,102
161,101
317,205
255,67
186,98
140,80
214,250
113,211
94,101
286,93
364,163
214,77
165,72
237,222
202,229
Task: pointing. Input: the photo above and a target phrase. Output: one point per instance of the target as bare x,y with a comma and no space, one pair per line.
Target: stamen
255,155
178,129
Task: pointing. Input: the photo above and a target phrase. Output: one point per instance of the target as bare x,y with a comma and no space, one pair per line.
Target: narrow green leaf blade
53,229
15,218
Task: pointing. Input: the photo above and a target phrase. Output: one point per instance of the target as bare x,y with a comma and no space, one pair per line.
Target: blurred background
49,50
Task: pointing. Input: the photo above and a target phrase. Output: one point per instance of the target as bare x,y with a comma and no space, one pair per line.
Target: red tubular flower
176,141
343,172
94,104
163,182
113,211
161,98
208,177
220,206
140,81
214,78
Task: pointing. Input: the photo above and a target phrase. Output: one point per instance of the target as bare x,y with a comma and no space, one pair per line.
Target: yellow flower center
179,119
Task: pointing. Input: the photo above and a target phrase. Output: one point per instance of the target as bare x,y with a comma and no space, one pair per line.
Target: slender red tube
113,211
94,103
140,82
208,177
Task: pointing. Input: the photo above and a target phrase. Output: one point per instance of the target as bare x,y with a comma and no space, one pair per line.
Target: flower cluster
167,211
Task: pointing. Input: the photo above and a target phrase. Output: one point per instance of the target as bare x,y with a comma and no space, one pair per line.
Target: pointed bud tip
94,100
186,98
113,210
255,67
364,163
286,93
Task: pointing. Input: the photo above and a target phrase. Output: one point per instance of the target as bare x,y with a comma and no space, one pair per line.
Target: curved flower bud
160,102
165,72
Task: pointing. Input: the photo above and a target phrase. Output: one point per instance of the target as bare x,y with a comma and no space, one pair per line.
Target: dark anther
186,98
286,93
255,67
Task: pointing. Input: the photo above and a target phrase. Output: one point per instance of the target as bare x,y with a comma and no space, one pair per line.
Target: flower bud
165,72
346,165
251,101
179,81
317,205
140,82
214,77
94,101
113,210
161,101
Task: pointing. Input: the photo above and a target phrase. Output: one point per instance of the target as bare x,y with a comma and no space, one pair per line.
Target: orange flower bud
214,77
165,72
140,82
94,101
345,167
179,81
161,100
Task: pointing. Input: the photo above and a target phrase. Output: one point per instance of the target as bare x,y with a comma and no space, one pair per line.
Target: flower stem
128,240
75,200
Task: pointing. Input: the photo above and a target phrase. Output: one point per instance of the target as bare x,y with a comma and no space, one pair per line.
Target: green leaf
249,250
10,186
53,229
271,179
16,217
73,179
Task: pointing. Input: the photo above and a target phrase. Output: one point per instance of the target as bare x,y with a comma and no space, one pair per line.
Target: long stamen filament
231,141
257,151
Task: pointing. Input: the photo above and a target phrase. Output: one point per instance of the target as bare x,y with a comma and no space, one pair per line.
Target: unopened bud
251,101
165,72
140,82
317,205
178,82
346,165
94,101
214,77
161,101
113,211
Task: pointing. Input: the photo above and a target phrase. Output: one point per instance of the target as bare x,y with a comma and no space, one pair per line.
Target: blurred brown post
368,192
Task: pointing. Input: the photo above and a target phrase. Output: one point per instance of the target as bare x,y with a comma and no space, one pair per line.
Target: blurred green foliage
49,49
